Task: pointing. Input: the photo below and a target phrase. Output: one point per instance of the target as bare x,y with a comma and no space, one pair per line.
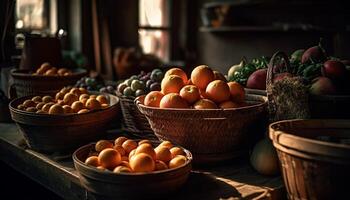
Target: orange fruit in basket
93,161
62,71
84,101
93,96
101,168
21,107
129,145
75,91
103,144
59,96
83,96
190,93
201,76
178,161
69,98
125,158
144,142
122,169
153,99
178,72
102,99
29,103
160,165
83,111
47,107
142,163
45,66
132,153
76,106
37,99
93,104
40,112
147,149
67,109
173,100
203,94
109,158
205,104
56,109
229,104
40,105
31,109
104,106
166,144
219,76
171,84
177,151
163,154
50,72
218,91
236,91
120,149
83,91
65,90
120,140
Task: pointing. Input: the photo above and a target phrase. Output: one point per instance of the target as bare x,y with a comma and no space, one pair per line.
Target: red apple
257,80
281,76
333,69
314,53
322,86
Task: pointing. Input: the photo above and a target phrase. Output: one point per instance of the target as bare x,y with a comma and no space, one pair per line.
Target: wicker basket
109,185
210,134
314,157
25,84
62,133
133,120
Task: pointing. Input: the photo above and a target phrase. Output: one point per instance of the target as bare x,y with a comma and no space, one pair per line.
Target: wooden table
234,180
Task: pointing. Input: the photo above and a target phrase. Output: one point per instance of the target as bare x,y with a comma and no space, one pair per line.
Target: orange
218,91
173,100
219,76
122,169
204,104
120,140
83,96
83,111
160,165
102,99
93,104
67,109
176,151
142,163
120,149
47,99
37,99
65,90
101,168
166,144
147,149
201,76
59,96
56,109
190,93
203,94
47,107
109,158
229,104
93,161
172,84
129,145
177,161
40,105
153,98
76,106
83,91
177,71
103,144
163,154
29,103
69,98
236,91
132,153
145,142
75,91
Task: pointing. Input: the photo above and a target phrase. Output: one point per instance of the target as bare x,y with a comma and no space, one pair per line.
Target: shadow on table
205,186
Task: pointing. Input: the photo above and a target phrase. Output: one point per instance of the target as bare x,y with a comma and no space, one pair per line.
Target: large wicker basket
314,157
25,84
133,120
210,134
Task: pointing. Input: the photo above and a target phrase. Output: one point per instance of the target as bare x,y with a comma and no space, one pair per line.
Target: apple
257,80
281,76
334,69
322,86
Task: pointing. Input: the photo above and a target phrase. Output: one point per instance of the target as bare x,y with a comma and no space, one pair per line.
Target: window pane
154,13
155,42
30,14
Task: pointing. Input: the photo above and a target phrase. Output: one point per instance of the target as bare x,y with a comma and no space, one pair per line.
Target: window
154,27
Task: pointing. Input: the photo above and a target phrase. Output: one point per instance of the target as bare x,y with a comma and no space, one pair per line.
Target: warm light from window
30,14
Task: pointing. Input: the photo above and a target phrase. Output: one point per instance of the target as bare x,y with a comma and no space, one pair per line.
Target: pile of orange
128,156
47,70
206,89
67,101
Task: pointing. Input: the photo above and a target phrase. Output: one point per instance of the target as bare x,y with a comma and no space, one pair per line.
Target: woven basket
210,134
25,84
133,120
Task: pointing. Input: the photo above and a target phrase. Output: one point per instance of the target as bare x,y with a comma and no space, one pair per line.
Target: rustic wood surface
234,180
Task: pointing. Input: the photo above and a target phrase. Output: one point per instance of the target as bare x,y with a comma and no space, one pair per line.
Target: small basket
314,156
25,84
212,135
133,120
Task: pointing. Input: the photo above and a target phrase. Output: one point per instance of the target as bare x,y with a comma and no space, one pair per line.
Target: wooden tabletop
233,180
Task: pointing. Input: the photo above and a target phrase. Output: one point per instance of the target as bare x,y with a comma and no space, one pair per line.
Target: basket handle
139,100
270,75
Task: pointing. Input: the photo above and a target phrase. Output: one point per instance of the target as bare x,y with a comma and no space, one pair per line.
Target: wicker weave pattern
206,131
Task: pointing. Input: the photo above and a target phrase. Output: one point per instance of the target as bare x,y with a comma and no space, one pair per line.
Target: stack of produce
205,89
67,101
47,70
95,84
128,156
141,84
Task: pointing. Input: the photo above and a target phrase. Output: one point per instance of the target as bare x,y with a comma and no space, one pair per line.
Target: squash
264,158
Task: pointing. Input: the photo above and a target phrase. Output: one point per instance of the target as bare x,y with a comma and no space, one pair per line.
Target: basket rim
282,139
23,73
123,174
140,104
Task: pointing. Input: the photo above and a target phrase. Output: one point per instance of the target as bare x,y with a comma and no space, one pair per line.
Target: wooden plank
234,180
